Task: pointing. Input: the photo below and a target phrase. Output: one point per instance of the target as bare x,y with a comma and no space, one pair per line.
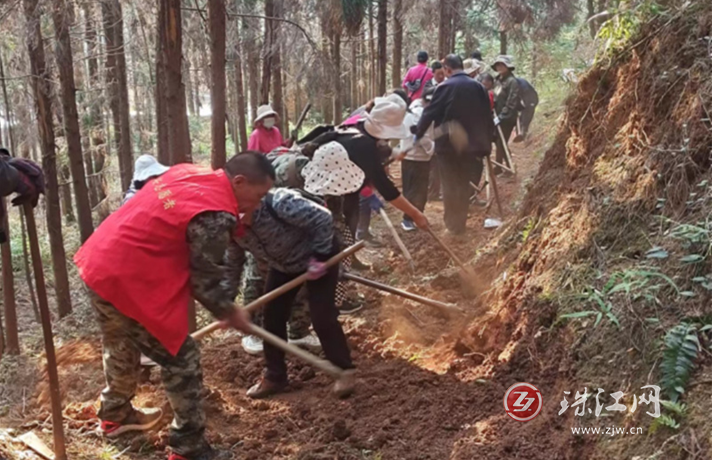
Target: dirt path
422,393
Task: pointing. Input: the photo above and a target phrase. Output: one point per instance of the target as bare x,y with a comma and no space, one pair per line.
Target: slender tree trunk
176,118
8,290
43,104
94,122
372,52
162,152
353,103
397,43
382,43
250,27
444,29
195,79
65,193
62,13
116,68
502,42
240,118
28,272
336,63
188,87
277,88
267,51
218,96
8,113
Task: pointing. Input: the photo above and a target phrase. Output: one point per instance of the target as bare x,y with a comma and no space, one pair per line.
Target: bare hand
239,319
420,221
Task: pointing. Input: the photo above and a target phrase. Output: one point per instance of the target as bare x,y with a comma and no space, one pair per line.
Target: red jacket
138,258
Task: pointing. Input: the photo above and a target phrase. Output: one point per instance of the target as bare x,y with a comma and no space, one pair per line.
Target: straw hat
331,172
386,118
506,60
473,65
264,111
146,167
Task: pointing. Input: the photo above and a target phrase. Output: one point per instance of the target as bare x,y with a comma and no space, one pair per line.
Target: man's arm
216,261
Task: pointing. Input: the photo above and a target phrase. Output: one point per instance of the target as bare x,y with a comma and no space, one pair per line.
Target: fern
664,420
681,349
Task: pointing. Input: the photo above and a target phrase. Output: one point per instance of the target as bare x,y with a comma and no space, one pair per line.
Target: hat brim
386,132
349,180
154,170
509,66
265,115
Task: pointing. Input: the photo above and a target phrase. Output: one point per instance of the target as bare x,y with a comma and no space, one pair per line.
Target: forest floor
421,393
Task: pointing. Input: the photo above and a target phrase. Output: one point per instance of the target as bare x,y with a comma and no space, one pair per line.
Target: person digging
294,235
506,106
141,266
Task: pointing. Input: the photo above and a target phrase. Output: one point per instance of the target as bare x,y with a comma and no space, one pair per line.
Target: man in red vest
173,240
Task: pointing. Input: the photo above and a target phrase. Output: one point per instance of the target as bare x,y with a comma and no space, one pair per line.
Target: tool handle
321,364
506,151
198,335
450,252
399,242
495,190
399,292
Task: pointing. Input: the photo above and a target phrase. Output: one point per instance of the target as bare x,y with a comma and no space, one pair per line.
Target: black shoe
349,307
356,264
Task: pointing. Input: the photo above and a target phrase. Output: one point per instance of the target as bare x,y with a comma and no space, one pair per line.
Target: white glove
496,121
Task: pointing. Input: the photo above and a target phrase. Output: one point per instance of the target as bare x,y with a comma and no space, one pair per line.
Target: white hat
474,65
147,167
386,118
264,111
331,172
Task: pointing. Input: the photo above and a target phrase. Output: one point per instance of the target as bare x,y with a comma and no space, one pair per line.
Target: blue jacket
462,99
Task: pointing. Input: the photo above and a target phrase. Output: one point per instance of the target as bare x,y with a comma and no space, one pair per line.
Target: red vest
138,259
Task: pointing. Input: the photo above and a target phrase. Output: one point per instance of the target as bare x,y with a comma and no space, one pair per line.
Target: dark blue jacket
462,99
527,93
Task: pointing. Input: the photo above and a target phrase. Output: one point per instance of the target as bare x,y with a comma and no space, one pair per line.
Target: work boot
212,454
139,420
265,388
346,385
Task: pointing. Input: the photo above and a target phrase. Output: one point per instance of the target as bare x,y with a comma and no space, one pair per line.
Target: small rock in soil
340,430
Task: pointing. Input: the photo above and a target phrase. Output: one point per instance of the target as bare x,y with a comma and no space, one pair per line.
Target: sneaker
349,307
373,242
265,388
212,454
308,342
357,264
139,420
252,345
346,385
408,226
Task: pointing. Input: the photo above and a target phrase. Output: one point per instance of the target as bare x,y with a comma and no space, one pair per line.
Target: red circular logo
523,402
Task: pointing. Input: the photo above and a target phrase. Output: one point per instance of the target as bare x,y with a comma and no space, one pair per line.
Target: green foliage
678,412
528,228
624,23
352,14
681,349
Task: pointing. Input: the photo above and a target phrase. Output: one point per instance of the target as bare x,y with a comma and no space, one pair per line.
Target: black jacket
507,102
462,99
527,93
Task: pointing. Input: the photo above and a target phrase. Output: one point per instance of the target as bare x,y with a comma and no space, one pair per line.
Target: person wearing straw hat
506,104
145,169
459,99
473,67
266,136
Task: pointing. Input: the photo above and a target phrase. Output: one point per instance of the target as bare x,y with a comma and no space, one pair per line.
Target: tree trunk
372,52
118,86
455,23
65,193
28,272
62,13
218,96
250,27
43,103
175,118
94,123
353,102
8,114
162,151
444,29
190,99
277,89
8,290
382,42
590,12
502,42
267,49
241,118
336,74
397,43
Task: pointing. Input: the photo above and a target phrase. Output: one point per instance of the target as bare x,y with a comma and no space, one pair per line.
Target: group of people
274,212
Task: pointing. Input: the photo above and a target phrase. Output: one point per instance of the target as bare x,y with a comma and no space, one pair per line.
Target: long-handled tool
295,131
490,173
55,397
299,280
393,231
467,277
512,168
401,293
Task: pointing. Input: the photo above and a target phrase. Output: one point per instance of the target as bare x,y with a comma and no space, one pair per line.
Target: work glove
316,269
374,203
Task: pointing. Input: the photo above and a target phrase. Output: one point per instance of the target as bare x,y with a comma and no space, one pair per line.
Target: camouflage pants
123,342
254,287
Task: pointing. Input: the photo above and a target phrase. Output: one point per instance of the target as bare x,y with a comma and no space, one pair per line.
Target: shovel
400,243
467,277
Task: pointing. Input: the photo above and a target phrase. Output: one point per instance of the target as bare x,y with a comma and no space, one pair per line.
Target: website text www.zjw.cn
606,430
